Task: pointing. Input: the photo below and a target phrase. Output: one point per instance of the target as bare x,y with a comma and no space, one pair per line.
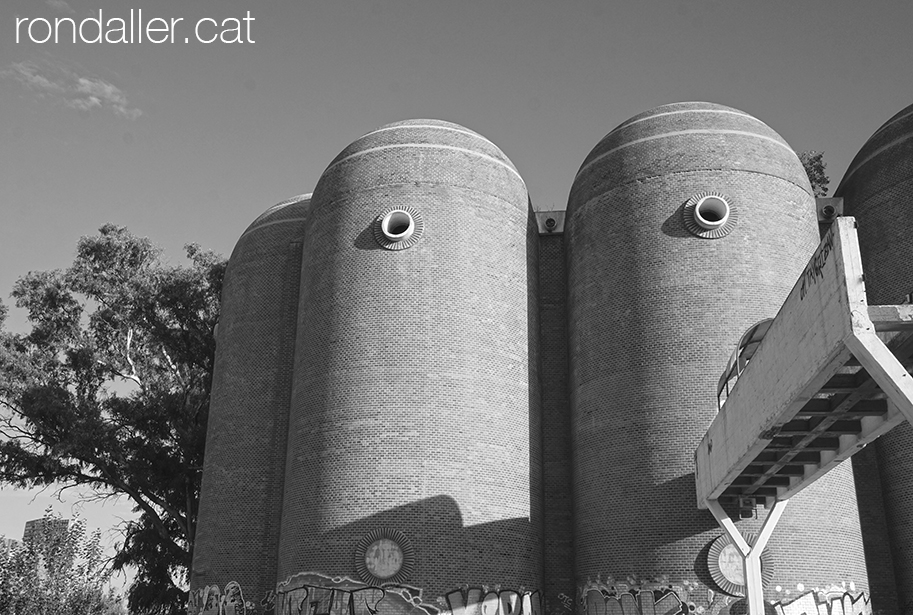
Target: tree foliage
815,169
110,390
57,572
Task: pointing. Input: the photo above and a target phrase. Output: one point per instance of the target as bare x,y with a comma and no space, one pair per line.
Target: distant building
7,545
37,529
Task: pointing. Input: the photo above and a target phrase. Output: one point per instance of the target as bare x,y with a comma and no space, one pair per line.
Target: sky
190,141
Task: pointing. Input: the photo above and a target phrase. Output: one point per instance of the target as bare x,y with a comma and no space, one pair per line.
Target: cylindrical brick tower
241,494
686,225
415,408
877,189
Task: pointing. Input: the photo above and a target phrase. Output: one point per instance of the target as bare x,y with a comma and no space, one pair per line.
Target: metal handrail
744,350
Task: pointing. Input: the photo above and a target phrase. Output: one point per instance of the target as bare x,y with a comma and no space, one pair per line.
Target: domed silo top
288,212
885,159
417,150
284,211
416,133
684,137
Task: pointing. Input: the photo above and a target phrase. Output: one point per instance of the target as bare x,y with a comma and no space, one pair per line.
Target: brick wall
558,544
241,494
526,409
415,403
877,190
654,314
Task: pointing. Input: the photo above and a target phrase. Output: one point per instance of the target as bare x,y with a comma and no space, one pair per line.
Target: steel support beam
751,554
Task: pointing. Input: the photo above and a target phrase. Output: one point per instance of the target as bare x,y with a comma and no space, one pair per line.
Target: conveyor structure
805,391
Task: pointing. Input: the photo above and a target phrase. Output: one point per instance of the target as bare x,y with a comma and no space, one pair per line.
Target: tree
814,167
110,390
57,572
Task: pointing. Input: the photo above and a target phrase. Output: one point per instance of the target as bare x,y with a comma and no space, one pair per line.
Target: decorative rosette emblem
384,556
725,563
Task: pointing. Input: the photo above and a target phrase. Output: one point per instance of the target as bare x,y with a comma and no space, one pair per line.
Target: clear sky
189,142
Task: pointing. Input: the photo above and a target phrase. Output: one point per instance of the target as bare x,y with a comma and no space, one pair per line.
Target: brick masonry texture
877,190
873,523
654,313
558,545
415,403
241,496
526,408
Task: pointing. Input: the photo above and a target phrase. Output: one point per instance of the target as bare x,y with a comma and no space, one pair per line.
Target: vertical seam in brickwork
290,299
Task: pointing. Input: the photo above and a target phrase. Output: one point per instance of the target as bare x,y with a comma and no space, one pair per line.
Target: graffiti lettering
212,601
310,593
650,597
813,271
661,602
819,603
478,601
315,594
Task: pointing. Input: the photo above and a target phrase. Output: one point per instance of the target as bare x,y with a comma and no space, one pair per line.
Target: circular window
384,556
398,228
709,215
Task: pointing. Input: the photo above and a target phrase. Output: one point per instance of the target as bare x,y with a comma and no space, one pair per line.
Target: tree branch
174,369
146,507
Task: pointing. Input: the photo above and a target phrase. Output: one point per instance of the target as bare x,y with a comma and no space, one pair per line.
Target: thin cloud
60,5
81,92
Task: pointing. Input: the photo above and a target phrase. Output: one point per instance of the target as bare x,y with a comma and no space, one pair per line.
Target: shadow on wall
365,239
484,558
674,226
444,548
448,550
684,524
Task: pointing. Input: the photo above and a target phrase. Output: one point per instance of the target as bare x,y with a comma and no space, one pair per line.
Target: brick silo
241,494
686,225
415,408
877,190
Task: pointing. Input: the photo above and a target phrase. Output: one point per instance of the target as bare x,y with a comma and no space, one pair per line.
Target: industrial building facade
429,398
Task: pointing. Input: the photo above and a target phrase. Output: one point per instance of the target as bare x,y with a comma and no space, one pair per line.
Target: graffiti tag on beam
813,271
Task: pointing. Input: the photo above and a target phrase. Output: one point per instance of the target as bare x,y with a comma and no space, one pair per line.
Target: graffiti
661,602
654,597
269,603
309,593
482,601
566,601
835,601
210,600
813,270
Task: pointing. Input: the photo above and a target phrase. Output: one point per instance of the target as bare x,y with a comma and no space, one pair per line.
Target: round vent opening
709,215
398,228
397,225
711,212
